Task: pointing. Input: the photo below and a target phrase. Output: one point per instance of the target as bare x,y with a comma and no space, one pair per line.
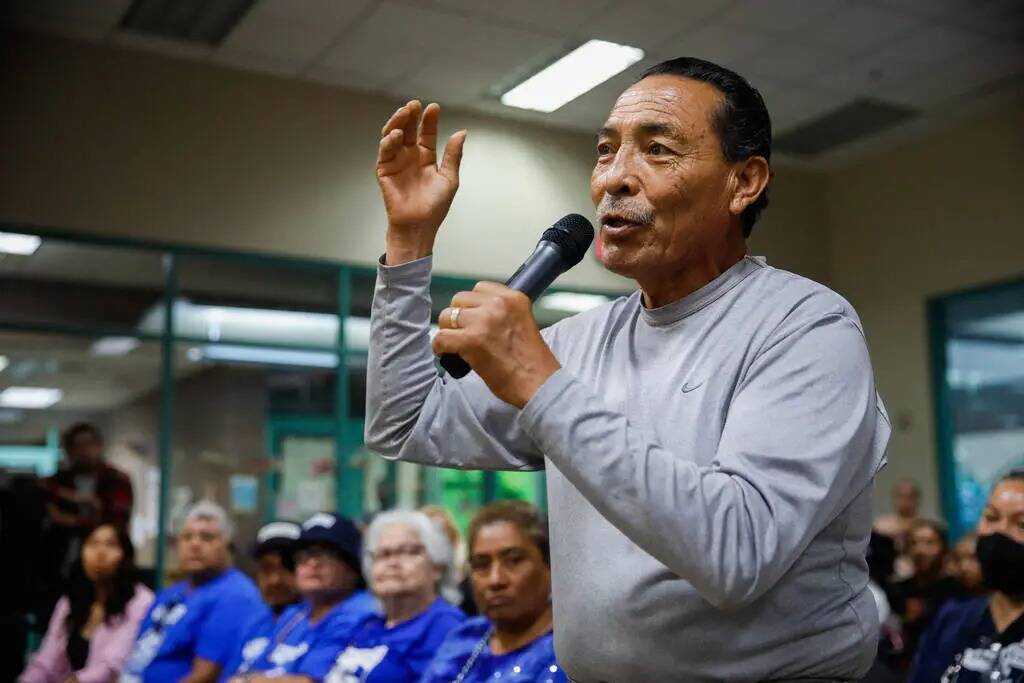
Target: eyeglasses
399,551
315,553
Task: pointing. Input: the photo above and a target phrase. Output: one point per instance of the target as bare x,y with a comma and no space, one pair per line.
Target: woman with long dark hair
93,626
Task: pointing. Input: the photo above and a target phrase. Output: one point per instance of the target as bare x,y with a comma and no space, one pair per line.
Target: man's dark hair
72,433
742,120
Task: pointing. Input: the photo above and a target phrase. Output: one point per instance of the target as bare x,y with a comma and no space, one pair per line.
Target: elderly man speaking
710,441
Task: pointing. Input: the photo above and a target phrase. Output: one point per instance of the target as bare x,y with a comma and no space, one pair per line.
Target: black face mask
1002,563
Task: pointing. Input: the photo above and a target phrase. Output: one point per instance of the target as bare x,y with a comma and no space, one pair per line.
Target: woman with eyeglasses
93,626
983,639
409,562
510,573
307,637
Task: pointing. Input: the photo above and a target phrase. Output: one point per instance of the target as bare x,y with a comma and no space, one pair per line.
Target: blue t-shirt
399,654
296,646
185,623
253,640
534,662
963,640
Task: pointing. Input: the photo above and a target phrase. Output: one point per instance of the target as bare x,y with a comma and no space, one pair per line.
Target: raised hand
417,191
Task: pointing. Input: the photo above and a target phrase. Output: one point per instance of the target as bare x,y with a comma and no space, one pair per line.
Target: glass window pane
224,300
49,382
256,435
528,486
984,381
70,284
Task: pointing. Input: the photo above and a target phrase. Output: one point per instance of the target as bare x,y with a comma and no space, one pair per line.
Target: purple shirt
108,647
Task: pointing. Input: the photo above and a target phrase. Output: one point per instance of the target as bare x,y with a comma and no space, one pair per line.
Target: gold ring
453,317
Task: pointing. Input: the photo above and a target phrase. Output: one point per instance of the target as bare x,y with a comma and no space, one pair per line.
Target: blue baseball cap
334,531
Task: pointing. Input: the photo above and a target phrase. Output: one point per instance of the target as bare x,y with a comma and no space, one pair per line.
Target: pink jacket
109,646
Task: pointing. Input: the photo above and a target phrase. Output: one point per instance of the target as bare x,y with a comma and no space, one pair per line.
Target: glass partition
978,340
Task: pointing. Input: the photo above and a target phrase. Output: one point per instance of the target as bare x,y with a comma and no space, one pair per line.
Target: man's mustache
629,210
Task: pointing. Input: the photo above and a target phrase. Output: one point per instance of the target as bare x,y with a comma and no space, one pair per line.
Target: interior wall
926,218
105,140
118,142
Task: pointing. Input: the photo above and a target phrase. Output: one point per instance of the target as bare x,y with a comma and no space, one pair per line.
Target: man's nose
620,178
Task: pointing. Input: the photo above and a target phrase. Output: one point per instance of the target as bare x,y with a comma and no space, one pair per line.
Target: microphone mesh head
573,234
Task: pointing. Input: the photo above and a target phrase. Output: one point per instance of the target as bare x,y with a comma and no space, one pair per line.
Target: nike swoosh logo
687,388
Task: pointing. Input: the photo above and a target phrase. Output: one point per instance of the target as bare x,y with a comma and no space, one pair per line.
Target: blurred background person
93,627
918,598
409,562
446,522
308,637
85,491
190,633
983,639
511,579
274,552
906,500
965,567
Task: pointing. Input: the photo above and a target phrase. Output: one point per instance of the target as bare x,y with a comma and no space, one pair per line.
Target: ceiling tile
927,47
453,80
965,76
396,39
795,61
649,25
564,15
778,16
717,43
291,33
790,105
857,28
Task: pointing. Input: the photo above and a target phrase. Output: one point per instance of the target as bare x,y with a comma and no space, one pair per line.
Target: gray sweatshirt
709,469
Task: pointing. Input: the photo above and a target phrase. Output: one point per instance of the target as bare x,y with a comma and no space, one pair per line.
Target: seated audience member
409,562
983,639
906,497
274,553
192,629
511,578
966,569
307,637
275,577
917,599
93,627
444,521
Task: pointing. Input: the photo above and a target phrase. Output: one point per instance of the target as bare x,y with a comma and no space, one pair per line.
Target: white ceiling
807,57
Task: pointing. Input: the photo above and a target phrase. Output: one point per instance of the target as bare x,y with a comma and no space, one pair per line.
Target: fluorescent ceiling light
3,363
262,355
114,346
581,70
16,243
29,397
571,302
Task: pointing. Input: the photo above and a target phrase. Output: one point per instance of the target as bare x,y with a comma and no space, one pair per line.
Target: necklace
477,651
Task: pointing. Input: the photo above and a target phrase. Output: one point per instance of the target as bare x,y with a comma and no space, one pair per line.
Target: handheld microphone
561,247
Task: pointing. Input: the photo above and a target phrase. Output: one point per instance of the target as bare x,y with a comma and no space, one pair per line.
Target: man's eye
604,148
657,149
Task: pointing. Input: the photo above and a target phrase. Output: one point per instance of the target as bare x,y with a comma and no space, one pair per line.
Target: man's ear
751,178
